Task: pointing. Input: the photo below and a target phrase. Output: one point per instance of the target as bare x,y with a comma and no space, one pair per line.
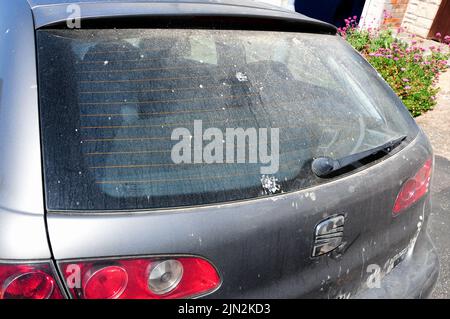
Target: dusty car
217,149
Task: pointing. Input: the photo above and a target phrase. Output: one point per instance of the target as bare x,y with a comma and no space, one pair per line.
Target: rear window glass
142,119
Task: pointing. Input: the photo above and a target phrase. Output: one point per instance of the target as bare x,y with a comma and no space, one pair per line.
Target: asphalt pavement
439,224
436,125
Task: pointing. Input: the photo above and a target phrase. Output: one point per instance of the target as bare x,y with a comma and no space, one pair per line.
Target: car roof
49,12
241,3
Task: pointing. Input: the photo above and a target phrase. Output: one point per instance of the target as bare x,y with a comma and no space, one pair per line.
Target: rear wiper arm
326,166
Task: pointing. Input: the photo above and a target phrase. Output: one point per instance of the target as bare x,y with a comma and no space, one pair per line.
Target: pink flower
438,35
407,87
405,80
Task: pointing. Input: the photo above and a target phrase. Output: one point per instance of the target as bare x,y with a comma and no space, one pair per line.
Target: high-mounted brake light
140,278
414,188
28,281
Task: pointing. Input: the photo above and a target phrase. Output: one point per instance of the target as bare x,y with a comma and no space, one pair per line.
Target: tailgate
262,248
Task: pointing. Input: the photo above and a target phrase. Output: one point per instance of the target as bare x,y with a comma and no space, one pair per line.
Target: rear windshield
143,119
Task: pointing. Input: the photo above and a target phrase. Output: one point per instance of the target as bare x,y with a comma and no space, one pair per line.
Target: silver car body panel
22,221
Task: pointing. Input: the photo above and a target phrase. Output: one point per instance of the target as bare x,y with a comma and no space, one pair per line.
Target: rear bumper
415,277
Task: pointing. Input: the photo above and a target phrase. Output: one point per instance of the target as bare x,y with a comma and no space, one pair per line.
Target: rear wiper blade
326,166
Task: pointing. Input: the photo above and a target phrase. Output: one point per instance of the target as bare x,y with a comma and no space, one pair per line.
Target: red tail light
144,278
105,282
414,188
28,281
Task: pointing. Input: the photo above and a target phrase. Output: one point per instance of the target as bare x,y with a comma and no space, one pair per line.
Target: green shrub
410,70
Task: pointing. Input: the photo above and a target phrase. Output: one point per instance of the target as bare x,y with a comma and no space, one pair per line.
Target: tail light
414,188
143,278
28,281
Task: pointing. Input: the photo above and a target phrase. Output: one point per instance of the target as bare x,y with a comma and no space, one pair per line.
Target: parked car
94,97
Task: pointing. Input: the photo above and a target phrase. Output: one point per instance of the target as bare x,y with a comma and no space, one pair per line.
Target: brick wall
419,16
415,15
382,12
396,10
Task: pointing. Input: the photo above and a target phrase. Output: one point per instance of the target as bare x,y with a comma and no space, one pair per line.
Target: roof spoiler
177,15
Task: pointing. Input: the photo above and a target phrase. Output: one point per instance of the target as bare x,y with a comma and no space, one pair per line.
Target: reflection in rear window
128,114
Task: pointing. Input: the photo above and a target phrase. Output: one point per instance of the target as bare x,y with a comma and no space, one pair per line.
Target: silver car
221,149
